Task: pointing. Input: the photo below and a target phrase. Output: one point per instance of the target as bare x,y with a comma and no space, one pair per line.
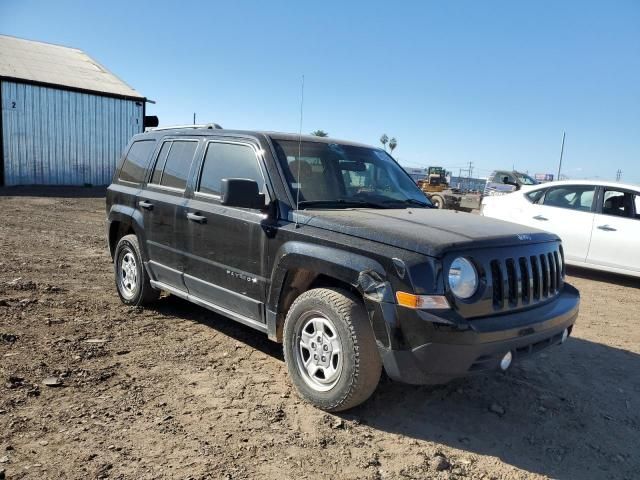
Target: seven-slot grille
526,280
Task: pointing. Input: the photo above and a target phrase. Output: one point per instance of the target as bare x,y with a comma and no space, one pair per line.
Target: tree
319,133
383,140
393,143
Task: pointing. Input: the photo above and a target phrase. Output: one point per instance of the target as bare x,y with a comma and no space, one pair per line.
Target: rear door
163,205
227,246
567,211
615,240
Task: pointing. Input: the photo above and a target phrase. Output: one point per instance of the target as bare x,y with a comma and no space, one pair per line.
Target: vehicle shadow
54,191
174,306
570,412
605,277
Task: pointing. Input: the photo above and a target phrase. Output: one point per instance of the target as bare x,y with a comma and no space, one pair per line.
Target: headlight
463,278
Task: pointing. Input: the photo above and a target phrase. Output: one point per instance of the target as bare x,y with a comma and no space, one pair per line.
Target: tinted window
574,197
619,203
135,162
178,162
162,159
535,196
228,160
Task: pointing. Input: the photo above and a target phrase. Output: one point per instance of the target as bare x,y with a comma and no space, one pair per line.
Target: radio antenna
299,150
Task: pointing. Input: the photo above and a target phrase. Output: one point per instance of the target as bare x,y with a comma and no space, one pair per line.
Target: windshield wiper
340,203
411,201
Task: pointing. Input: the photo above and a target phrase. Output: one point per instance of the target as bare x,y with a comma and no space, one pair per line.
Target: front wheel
437,201
330,350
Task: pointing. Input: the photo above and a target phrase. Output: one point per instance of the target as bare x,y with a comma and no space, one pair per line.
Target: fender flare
129,216
363,273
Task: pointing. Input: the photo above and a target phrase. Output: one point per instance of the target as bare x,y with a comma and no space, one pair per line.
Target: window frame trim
211,196
159,186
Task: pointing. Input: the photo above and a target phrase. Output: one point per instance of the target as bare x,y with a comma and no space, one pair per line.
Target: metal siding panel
57,137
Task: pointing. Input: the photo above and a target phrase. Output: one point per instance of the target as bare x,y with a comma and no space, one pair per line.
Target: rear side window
135,163
535,196
573,197
174,162
228,160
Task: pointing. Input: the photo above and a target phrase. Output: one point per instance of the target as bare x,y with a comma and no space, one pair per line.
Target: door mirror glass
242,193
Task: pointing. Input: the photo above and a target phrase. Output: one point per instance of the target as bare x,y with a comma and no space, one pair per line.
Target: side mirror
242,193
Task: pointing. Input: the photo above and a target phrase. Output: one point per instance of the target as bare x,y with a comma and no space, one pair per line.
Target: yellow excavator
436,187
434,184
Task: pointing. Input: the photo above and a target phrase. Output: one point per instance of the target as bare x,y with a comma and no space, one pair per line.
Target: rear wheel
330,350
132,281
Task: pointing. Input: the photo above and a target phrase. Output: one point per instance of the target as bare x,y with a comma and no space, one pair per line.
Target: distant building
65,118
417,173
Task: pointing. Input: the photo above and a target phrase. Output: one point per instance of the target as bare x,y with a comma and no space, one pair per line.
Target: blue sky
491,82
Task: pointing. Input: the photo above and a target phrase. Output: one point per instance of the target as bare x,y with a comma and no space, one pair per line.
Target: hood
427,231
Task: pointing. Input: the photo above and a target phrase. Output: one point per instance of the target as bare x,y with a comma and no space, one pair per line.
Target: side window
573,197
619,203
135,163
162,159
176,167
228,160
536,195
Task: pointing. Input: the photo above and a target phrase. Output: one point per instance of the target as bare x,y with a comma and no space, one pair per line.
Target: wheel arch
299,267
123,221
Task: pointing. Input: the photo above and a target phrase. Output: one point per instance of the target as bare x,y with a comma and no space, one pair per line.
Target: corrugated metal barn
65,118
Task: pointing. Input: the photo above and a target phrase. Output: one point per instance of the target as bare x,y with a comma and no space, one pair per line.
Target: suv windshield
330,175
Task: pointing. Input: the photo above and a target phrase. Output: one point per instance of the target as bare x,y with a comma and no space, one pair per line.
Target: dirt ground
175,391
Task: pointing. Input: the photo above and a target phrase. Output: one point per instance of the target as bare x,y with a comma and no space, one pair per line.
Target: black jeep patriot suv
330,248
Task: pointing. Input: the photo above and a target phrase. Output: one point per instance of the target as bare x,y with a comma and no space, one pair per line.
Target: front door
227,246
567,211
162,204
615,241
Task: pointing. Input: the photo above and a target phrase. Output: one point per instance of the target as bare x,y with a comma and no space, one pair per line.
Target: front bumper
417,347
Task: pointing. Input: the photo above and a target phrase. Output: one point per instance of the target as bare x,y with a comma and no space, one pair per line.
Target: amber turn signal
420,302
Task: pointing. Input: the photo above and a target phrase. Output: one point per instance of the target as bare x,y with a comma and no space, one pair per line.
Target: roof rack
210,126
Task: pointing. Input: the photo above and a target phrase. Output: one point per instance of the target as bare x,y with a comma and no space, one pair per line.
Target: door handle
194,217
146,205
540,217
606,228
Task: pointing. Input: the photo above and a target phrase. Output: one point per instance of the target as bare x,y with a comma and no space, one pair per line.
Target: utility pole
561,154
618,175
194,118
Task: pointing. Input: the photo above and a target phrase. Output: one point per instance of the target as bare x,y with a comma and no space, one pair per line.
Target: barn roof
46,63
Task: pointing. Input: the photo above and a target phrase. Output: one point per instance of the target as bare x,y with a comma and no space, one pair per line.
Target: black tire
437,201
360,361
127,258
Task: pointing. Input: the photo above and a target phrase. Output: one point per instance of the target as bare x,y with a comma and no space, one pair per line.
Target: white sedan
598,222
